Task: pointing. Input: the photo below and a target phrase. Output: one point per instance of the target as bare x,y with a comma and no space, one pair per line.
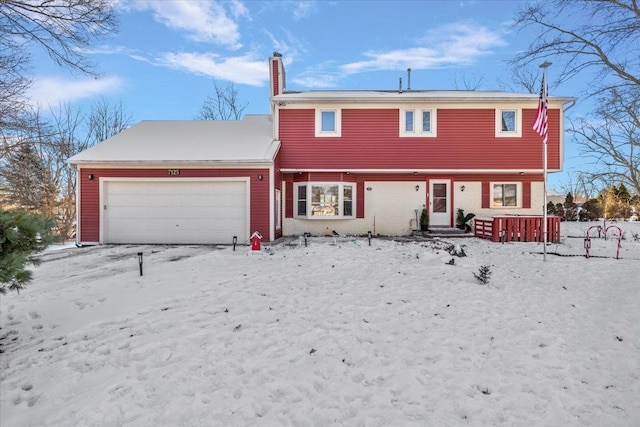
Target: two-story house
349,161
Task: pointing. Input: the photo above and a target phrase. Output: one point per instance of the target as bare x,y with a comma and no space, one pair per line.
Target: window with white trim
328,122
325,200
505,195
418,122
508,122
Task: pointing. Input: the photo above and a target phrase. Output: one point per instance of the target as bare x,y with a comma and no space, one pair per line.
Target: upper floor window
328,122
417,122
505,195
325,200
508,122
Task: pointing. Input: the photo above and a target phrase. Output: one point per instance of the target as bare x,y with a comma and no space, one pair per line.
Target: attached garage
180,182
175,211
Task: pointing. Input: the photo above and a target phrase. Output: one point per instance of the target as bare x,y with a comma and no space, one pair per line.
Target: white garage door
184,212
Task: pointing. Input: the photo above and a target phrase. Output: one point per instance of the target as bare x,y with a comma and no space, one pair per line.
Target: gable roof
249,140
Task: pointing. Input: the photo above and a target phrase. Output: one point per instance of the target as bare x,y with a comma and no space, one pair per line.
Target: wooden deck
517,228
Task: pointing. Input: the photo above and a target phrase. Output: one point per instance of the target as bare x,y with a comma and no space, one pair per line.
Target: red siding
90,195
370,140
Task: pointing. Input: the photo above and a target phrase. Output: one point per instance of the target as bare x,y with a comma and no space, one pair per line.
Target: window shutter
288,203
526,195
486,195
360,199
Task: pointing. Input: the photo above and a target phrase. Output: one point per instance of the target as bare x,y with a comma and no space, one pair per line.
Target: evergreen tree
615,206
558,210
570,208
22,236
27,183
591,210
623,194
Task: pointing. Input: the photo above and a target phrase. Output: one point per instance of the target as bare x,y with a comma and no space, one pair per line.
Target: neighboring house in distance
350,161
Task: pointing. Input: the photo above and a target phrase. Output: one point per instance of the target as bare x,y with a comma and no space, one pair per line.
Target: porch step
446,232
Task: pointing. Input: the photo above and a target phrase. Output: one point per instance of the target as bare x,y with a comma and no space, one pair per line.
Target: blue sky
162,61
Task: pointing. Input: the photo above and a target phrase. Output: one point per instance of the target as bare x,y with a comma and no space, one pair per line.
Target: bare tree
224,104
106,119
467,82
63,28
36,175
605,41
27,182
13,85
68,140
612,141
522,77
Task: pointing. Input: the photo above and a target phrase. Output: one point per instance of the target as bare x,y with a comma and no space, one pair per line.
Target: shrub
22,235
483,275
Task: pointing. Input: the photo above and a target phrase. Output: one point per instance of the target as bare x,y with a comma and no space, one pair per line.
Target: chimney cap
277,54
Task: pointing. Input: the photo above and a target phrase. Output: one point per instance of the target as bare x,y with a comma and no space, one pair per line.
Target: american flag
540,124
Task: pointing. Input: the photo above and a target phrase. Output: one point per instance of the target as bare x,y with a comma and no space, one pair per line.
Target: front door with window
439,203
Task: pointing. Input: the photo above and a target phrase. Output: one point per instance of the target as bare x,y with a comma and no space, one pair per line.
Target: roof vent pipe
400,86
408,79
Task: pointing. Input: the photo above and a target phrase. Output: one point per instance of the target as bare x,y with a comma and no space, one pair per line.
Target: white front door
440,203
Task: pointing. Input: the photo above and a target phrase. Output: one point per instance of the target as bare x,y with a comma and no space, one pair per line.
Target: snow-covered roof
249,140
412,95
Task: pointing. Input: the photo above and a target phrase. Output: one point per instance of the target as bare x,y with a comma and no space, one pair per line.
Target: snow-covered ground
399,333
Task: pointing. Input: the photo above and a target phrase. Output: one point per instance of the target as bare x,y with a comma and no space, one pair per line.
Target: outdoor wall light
462,187
417,188
90,176
260,177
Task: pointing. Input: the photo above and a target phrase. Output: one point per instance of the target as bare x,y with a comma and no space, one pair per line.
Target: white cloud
454,44
303,9
50,91
290,46
243,69
205,21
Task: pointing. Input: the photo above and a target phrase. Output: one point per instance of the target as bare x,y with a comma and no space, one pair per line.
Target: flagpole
544,67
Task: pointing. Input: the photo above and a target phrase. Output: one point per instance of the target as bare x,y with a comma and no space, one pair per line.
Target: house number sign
173,171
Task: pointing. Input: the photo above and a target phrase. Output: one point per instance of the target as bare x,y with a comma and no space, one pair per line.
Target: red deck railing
517,228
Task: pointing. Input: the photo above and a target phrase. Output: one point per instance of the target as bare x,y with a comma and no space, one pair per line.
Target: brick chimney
276,74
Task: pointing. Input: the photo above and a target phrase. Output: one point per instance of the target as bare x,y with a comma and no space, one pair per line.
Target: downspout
573,103
564,110
78,180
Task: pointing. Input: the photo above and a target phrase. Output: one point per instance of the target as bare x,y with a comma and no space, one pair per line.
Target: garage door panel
175,212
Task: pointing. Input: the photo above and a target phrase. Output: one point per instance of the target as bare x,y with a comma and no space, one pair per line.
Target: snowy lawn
336,333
